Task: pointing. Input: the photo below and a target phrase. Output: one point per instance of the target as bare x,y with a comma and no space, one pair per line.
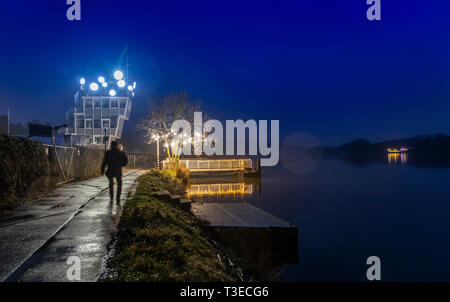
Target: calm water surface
346,213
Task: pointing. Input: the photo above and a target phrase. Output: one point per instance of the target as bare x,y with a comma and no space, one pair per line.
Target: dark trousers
111,186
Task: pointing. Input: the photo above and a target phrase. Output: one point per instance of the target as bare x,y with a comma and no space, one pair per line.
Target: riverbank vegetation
158,241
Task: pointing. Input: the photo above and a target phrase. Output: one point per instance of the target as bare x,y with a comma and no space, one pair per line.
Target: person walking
115,159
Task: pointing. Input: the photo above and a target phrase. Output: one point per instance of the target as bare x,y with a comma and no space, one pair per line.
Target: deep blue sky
316,65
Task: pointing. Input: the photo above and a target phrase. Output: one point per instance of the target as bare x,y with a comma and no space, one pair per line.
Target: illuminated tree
162,112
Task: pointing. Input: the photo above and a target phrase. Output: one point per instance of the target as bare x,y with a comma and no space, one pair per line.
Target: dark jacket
115,160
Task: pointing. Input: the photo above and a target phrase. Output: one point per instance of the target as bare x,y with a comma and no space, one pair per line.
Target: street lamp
157,137
105,138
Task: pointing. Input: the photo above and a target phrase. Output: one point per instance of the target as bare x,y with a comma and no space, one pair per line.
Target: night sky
318,66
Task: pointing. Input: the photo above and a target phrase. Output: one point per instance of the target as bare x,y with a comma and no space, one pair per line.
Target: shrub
24,163
26,169
184,175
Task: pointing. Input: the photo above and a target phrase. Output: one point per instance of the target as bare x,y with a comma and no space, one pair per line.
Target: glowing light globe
104,84
112,92
101,79
121,83
93,86
118,75
82,81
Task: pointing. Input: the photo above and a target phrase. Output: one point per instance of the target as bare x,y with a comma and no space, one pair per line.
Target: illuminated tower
101,108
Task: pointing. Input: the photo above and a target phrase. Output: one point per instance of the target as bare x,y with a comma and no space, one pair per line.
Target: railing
204,165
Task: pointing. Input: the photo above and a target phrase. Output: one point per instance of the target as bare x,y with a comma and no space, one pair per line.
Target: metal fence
62,161
141,161
68,163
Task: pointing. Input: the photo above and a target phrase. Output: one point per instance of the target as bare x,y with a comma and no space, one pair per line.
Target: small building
100,111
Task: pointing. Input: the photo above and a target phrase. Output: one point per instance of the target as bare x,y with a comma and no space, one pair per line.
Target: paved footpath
76,219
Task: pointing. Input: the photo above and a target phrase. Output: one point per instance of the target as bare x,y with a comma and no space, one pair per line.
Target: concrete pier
237,215
263,240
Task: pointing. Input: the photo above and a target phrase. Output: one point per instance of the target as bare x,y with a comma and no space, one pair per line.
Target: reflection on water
394,209
223,188
397,157
346,212
219,189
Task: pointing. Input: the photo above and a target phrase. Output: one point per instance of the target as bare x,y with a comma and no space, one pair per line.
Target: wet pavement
77,219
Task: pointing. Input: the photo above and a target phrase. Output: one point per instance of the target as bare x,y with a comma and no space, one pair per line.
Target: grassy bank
160,242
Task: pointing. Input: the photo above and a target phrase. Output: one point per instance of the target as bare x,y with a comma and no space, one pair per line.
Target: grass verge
160,242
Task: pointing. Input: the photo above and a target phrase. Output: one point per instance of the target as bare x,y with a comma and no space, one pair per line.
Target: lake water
346,213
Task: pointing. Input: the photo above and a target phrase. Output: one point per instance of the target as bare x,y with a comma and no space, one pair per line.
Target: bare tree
162,112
